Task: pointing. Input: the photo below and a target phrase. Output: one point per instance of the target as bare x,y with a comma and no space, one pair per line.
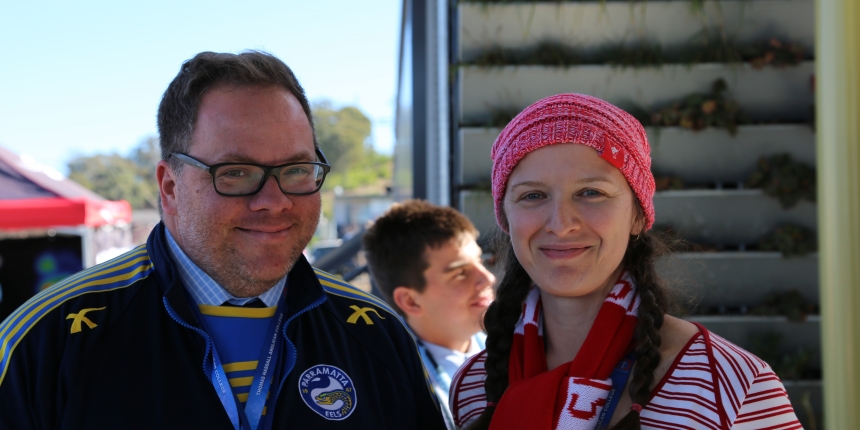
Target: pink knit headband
576,118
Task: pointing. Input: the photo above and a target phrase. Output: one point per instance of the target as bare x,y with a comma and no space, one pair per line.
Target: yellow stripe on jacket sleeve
70,282
331,282
125,270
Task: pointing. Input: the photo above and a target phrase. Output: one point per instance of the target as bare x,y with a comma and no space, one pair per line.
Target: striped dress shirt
205,290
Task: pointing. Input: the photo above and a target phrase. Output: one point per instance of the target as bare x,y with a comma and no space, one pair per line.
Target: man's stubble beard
224,265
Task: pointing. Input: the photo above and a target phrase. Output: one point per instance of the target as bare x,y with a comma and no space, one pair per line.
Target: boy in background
427,264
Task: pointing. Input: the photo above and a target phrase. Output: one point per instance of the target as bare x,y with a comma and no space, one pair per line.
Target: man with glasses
218,322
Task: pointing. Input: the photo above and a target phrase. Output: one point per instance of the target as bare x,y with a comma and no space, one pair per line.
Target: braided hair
503,314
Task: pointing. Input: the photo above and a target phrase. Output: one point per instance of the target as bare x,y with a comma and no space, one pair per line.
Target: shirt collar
205,290
449,359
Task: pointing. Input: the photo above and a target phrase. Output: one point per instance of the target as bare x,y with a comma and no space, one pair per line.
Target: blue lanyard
265,373
441,381
249,418
619,381
225,393
436,372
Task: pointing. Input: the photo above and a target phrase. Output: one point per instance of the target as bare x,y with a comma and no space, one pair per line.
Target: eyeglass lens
243,179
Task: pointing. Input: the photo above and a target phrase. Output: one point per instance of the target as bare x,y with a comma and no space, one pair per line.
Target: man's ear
407,300
166,187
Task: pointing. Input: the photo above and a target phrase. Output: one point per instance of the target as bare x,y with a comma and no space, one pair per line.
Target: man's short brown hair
178,109
396,244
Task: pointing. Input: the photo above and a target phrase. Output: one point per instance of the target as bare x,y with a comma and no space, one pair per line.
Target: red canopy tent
33,197
50,228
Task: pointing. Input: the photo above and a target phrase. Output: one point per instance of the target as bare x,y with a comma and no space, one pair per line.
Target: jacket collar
167,274
303,286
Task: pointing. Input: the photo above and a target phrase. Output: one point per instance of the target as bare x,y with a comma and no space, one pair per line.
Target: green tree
116,177
343,134
145,156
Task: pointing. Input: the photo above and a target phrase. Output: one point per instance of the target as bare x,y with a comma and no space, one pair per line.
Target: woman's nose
563,219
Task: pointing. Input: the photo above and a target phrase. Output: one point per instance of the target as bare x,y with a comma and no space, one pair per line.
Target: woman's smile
563,252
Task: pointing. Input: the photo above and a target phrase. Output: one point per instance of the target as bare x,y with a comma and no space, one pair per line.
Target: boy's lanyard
619,381
267,364
440,377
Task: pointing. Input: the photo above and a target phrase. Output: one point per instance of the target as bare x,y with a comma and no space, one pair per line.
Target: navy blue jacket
118,346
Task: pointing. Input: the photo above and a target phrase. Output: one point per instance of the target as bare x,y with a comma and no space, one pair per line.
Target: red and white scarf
572,395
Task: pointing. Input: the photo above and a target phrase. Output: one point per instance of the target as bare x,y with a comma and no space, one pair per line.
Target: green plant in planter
782,178
711,50
551,53
776,54
666,182
558,54
715,49
790,240
790,304
698,111
500,117
640,55
791,365
544,53
643,54
495,56
541,1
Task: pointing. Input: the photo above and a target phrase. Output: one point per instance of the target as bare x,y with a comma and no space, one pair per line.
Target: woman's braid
640,259
499,322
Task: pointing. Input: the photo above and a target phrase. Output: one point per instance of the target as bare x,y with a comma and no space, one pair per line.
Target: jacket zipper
294,354
199,331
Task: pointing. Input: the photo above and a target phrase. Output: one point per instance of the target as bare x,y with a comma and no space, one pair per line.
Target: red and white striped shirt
713,384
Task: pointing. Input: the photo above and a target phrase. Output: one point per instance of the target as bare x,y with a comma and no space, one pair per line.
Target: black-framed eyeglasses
245,179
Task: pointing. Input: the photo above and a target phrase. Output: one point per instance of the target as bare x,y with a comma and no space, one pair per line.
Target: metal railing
341,261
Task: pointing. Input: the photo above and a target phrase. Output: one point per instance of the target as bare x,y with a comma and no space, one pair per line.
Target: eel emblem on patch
328,391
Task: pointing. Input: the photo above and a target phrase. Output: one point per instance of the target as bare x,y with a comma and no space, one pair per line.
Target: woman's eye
532,196
591,193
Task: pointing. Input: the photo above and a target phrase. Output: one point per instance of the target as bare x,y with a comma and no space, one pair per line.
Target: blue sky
86,77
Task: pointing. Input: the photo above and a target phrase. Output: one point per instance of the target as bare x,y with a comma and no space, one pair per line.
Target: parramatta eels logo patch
328,391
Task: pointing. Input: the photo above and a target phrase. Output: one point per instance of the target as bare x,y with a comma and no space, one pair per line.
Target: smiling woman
579,336
570,215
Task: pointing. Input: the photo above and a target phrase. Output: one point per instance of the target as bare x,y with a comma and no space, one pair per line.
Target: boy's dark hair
178,109
396,243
